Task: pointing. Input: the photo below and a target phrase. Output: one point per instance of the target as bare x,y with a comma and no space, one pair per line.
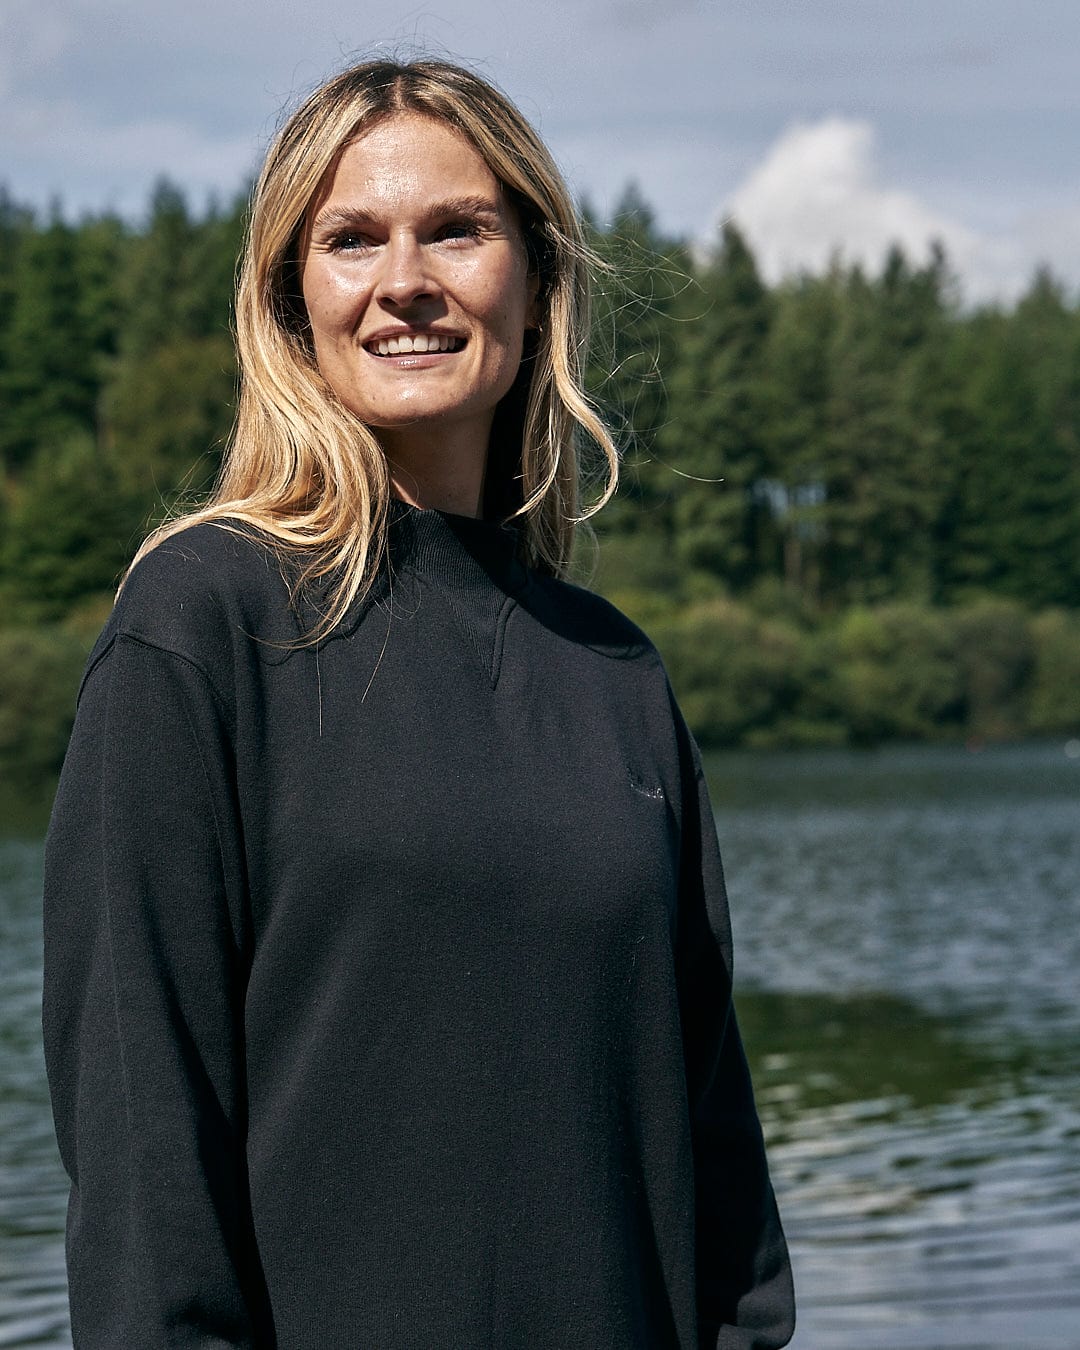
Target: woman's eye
459,229
349,242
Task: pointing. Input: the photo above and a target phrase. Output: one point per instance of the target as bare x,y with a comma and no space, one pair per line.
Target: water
908,949
33,1193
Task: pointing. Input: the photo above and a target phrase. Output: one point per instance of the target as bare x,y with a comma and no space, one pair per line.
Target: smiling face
418,292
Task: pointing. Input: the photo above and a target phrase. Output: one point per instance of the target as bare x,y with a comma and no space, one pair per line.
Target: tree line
850,505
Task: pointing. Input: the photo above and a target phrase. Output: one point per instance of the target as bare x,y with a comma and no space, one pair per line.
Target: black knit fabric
388,981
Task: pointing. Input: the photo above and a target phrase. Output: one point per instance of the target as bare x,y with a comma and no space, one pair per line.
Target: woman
388,965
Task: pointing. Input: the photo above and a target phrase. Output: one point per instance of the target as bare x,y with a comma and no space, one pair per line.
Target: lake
907,927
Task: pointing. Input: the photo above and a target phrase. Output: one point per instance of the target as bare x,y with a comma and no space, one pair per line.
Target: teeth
419,342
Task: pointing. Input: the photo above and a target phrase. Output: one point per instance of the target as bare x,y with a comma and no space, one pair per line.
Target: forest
849,509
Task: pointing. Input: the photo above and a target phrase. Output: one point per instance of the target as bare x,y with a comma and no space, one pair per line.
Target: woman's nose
405,276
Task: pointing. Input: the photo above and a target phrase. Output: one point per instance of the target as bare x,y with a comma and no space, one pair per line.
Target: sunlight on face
417,285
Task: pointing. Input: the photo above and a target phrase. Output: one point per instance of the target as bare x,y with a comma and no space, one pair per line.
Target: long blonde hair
299,466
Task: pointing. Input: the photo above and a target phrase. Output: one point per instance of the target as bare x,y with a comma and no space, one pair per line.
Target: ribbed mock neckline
474,564
464,555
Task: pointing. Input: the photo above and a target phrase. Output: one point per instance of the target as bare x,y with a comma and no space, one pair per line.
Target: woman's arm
146,948
745,1295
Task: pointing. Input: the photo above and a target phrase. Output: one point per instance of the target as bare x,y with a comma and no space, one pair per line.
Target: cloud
99,97
818,193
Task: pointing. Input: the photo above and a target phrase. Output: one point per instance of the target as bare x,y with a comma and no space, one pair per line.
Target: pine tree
881,450
159,282
719,398
796,427
49,374
633,343
167,415
70,529
1014,532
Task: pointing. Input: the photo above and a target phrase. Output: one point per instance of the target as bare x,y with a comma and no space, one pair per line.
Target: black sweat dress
388,981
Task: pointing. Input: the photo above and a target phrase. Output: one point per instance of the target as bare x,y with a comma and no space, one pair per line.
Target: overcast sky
816,124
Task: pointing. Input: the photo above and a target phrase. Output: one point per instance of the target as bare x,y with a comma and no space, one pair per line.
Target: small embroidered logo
654,794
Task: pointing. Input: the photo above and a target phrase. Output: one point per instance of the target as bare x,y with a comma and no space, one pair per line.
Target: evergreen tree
70,530
214,248
1048,334
101,247
633,345
1014,531
49,375
796,428
719,398
16,226
880,453
167,416
160,283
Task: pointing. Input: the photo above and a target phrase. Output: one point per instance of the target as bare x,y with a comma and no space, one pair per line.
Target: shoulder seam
93,666
179,656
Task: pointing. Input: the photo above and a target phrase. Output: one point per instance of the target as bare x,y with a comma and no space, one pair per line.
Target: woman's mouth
414,344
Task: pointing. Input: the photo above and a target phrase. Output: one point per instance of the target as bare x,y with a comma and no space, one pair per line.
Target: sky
818,126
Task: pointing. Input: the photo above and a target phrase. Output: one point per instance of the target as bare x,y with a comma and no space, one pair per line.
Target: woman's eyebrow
337,217
465,206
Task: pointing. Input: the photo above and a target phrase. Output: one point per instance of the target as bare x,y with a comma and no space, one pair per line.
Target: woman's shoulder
586,618
201,590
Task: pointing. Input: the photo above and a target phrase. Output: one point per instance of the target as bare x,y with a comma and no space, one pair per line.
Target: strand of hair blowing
300,470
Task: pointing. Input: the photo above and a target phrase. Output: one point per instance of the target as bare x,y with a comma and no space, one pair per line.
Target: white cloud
818,193
99,97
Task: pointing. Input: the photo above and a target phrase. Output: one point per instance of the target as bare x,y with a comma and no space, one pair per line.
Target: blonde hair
304,470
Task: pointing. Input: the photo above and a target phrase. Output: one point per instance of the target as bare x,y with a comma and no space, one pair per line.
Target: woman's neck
441,474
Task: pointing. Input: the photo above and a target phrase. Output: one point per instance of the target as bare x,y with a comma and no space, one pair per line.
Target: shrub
733,672
39,676
1054,706
69,534
896,673
996,656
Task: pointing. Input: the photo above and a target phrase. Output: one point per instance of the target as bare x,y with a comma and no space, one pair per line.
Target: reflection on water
33,1193
907,945
929,1182
907,949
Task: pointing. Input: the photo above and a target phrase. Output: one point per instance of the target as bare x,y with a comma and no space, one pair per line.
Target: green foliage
719,396
634,343
878,448
168,413
850,508
49,363
997,658
178,279
68,534
797,429
1055,690
896,672
736,673
638,561
39,674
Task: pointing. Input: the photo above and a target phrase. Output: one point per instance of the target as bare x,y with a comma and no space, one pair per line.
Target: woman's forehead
409,164
408,156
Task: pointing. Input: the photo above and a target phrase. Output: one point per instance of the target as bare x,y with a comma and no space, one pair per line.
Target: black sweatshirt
388,981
